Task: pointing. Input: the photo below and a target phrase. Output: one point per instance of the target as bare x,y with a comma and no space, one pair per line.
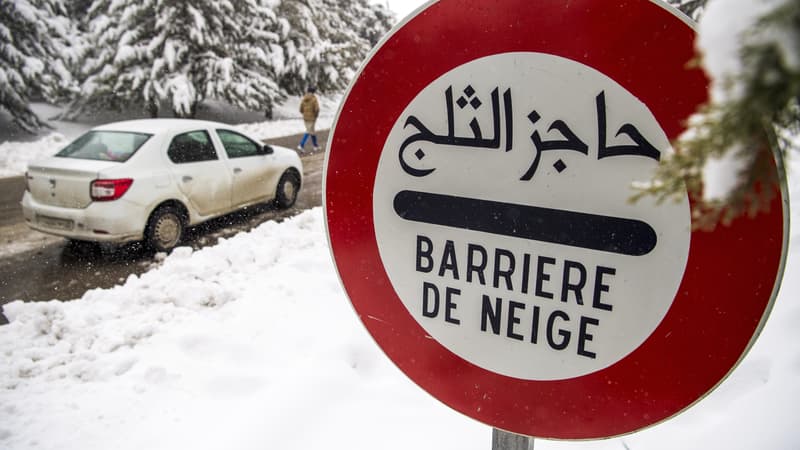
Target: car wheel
164,229
288,187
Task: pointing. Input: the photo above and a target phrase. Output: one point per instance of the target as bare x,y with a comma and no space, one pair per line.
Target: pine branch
747,124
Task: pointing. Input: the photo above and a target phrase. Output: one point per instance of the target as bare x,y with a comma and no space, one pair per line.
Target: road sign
477,194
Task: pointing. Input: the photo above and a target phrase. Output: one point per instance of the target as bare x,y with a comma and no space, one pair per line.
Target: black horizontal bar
591,231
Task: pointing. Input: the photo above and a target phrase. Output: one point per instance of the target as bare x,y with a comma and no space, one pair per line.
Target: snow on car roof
156,126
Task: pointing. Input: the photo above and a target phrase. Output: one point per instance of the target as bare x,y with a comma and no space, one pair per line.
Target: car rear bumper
118,221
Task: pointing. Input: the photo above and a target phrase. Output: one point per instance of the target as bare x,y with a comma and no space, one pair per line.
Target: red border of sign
728,285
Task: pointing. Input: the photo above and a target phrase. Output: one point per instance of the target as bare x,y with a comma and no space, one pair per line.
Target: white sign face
503,217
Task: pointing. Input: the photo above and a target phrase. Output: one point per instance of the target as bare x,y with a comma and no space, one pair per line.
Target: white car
150,179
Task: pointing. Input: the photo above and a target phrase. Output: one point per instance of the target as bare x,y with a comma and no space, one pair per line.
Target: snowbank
248,344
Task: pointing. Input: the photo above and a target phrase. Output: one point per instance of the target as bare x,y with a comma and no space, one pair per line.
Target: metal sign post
503,440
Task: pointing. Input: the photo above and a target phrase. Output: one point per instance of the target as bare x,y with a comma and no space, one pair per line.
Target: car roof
158,126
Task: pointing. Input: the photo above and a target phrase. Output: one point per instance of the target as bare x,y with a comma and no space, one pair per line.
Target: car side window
194,146
237,145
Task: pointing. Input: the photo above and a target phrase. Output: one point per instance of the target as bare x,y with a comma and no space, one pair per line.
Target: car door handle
186,178
237,170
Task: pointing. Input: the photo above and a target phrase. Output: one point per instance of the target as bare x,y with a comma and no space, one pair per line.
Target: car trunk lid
64,182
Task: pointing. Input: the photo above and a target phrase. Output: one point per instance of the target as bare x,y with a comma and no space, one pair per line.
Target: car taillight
107,190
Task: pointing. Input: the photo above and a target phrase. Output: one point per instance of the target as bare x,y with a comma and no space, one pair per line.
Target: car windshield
105,145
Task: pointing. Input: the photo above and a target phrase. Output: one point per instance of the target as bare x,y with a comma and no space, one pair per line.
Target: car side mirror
266,150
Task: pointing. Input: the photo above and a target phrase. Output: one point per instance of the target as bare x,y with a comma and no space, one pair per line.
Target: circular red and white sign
477,193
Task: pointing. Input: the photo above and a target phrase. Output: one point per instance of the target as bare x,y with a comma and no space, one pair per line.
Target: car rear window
105,145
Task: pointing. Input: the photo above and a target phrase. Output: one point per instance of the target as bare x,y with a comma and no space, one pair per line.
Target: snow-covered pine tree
245,72
76,11
343,22
371,21
35,48
325,41
754,108
148,52
308,47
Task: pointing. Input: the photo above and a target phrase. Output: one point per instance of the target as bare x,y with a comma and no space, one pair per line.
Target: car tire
288,188
164,229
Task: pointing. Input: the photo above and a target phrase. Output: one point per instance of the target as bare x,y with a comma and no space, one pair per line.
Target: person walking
309,108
